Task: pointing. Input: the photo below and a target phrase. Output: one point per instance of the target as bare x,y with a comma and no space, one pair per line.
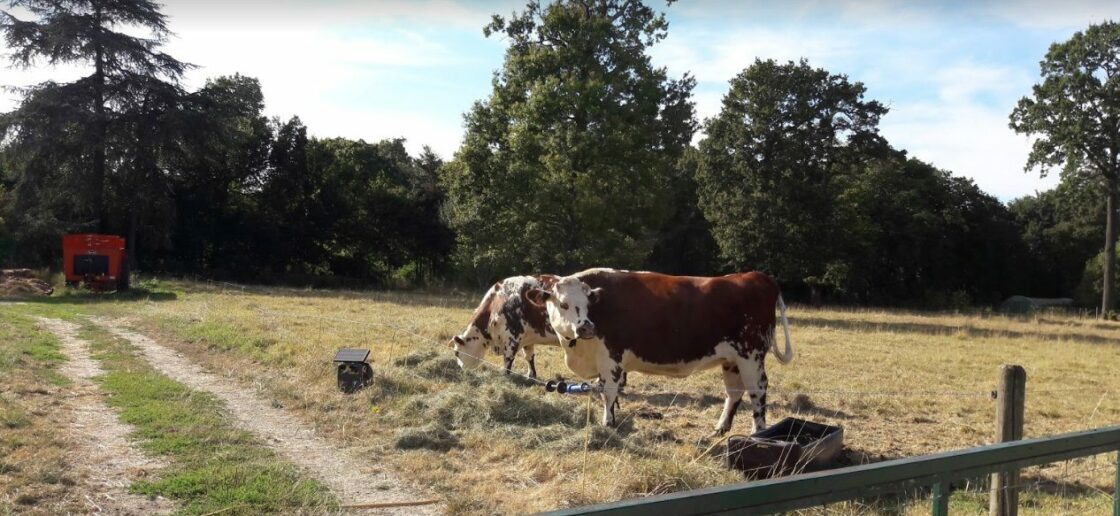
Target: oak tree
1074,115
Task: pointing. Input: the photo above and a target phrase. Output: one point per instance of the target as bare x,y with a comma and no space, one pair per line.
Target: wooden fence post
1116,489
1010,401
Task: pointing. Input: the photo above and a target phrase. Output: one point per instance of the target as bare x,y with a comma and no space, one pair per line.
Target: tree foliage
567,163
1075,115
93,118
579,156
1061,230
775,163
923,235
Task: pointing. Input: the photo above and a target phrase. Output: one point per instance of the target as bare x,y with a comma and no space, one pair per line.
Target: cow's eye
563,306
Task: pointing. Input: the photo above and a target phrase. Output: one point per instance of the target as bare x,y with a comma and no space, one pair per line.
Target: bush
1089,290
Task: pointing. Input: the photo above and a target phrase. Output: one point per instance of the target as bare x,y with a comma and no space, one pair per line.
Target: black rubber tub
792,446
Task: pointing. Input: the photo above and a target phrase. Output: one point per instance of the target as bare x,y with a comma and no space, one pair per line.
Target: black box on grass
353,370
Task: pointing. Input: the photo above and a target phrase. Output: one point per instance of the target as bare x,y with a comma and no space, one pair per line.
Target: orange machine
97,261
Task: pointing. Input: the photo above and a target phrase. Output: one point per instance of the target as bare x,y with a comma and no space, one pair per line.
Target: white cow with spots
505,322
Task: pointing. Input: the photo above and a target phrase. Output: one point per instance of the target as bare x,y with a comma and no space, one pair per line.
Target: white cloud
340,65
332,76
379,123
719,56
1048,14
946,107
302,14
963,81
334,83
969,140
964,128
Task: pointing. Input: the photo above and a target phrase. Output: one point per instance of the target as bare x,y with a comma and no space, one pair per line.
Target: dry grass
901,384
35,475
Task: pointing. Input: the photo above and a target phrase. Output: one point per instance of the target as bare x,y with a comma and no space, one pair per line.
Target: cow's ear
537,296
594,295
456,340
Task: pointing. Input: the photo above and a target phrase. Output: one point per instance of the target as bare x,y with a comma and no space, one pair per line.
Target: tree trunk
1108,299
97,181
130,239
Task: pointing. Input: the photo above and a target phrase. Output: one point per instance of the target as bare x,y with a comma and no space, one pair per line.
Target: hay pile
22,282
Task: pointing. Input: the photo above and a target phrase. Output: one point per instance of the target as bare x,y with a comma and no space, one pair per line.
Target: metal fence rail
813,489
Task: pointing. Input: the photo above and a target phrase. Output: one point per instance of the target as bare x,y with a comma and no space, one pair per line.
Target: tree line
583,154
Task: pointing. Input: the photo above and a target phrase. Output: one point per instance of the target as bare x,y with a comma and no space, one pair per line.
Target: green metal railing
870,480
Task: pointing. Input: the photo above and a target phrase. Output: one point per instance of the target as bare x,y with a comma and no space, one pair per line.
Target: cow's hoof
718,432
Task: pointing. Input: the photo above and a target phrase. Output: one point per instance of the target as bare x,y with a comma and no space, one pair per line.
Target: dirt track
346,473
107,462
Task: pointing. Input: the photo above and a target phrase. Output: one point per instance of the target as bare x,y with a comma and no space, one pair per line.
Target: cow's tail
787,356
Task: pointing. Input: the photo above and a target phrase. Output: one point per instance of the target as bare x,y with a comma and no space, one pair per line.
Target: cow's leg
511,353
733,382
754,381
530,357
611,382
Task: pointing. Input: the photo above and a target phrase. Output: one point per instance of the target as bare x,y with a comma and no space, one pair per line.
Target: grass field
901,384
214,466
33,469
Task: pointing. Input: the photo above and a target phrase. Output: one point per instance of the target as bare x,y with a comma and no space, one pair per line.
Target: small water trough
789,447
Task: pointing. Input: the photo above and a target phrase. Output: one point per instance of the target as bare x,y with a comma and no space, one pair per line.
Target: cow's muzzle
586,330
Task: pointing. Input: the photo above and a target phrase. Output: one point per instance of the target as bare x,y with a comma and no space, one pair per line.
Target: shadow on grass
85,297
857,457
943,329
1050,486
669,399
814,410
422,298
1074,323
897,503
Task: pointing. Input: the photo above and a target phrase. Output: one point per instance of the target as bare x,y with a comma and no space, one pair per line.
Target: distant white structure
1026,305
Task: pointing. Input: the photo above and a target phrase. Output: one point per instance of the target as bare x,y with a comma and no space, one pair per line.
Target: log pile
22,282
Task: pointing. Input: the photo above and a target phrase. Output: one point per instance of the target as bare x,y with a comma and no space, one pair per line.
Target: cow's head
568,302
492,326
470,346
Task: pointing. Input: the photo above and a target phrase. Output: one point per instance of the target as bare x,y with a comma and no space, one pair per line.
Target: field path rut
107,462
347,474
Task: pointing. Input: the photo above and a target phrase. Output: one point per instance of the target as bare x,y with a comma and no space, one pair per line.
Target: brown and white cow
614,321
504,322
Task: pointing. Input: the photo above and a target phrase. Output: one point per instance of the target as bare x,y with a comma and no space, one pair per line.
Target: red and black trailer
96,261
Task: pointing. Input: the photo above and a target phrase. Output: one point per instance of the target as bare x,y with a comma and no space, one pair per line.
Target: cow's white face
469,347
568,303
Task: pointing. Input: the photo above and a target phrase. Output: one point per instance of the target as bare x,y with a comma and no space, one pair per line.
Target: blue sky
950,71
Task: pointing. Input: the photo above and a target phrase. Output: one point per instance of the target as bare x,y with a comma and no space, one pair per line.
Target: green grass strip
214,466
24,346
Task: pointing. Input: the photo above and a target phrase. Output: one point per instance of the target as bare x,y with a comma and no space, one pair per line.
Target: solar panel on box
353,370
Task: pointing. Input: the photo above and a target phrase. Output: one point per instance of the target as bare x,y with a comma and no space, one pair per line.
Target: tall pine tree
78,140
